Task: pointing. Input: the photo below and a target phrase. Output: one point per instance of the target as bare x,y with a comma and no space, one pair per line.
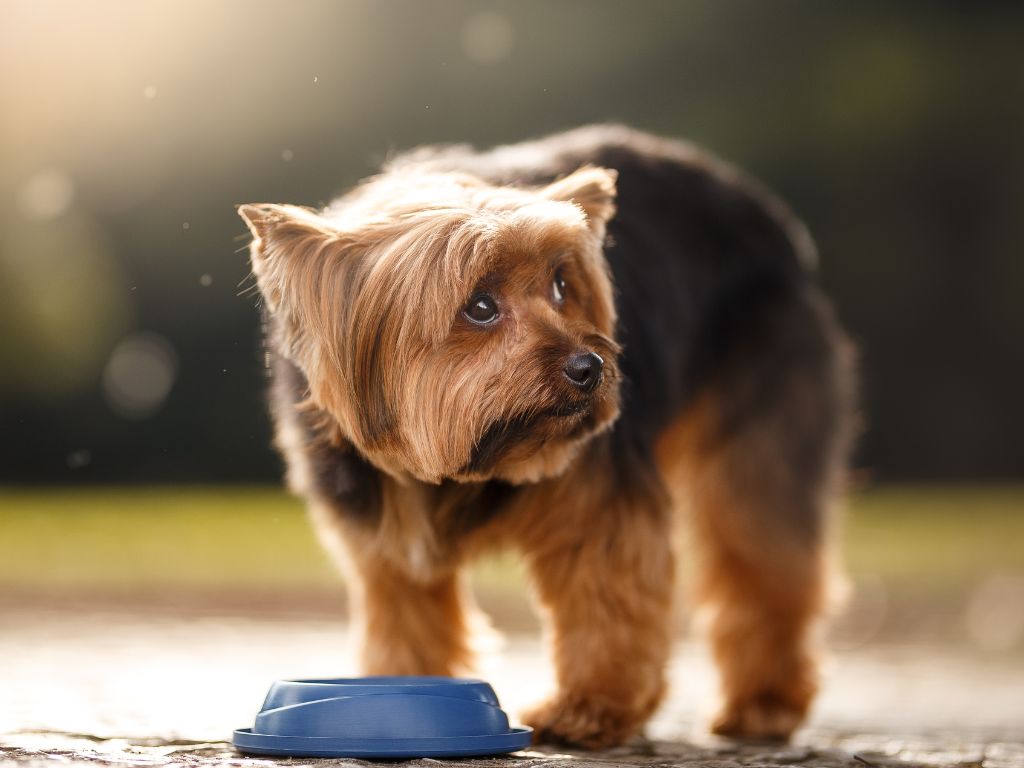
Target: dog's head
451,329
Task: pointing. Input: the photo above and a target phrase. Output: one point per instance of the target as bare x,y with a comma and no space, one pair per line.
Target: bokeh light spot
864,614
62,305
487,37
287,155
79,459
149,92
46,194
206,280
139,375
995,612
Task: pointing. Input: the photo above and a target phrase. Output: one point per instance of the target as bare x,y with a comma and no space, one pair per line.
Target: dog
554,346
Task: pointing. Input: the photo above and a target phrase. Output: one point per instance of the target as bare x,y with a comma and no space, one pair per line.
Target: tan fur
604,573
761,588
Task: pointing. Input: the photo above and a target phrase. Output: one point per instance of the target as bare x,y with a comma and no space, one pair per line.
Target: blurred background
135,465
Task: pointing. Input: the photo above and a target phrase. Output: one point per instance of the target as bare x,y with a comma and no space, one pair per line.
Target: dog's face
449,328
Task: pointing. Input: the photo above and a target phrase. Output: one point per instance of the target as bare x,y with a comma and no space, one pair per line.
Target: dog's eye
558,287
482,309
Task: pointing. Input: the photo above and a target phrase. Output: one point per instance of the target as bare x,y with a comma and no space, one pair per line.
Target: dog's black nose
584,370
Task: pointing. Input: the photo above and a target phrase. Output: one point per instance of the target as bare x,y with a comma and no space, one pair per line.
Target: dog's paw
765,717
582,722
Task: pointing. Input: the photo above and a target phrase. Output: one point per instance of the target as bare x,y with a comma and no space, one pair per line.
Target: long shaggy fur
421,438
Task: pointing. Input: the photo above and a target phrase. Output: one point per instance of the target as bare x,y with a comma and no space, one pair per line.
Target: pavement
85,688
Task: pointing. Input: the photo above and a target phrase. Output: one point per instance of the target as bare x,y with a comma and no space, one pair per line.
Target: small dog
551,346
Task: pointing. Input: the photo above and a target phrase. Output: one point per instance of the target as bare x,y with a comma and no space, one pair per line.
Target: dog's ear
288,242
592,189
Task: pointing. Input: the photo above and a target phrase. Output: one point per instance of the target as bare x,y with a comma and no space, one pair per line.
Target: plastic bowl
383,717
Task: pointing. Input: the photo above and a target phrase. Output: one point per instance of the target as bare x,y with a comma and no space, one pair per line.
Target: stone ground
86,689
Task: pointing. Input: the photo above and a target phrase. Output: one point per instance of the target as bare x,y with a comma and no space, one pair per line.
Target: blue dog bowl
382,717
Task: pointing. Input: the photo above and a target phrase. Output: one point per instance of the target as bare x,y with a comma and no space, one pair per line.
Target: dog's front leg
603,568
409,625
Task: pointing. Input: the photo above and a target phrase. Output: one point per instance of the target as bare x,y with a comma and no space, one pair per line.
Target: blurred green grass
934,538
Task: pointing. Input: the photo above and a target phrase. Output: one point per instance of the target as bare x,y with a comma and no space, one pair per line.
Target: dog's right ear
289,248
592,189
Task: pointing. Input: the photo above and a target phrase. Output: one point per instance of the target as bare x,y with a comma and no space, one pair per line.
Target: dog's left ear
592,189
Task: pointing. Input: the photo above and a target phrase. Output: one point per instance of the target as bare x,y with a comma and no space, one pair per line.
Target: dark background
129,349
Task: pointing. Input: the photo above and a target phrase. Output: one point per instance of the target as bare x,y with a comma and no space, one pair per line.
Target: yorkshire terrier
552,346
